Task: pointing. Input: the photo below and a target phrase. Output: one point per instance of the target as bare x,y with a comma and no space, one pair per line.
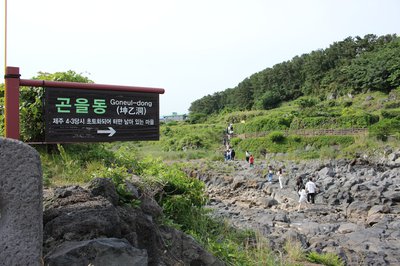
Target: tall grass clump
328,259
294,250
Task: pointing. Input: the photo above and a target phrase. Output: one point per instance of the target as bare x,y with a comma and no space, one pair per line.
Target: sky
190,48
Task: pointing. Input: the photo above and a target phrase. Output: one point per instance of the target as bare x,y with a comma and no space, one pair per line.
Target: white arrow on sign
110,131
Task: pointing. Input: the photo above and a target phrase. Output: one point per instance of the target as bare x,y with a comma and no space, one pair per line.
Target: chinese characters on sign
78,115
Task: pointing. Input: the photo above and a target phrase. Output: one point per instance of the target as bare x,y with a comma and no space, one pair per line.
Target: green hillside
354,65
305,128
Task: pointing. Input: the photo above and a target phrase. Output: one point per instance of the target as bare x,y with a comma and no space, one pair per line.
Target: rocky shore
356,213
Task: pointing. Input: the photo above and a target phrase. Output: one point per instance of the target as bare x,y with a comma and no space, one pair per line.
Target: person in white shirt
280,177
303,198
247,156
311,188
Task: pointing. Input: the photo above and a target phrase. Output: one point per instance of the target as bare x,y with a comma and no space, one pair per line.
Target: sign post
87,112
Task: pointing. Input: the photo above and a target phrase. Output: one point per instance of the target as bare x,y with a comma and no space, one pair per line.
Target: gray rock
186,250
150,206
355,214
347,228
392,195
369,98
73,214
104,187
394,156
21,204
268,202
358,209
326,171
99,252
379,209
281,217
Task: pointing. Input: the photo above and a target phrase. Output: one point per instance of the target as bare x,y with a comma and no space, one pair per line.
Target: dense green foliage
186,137
386,128
276,142
353,65
1,109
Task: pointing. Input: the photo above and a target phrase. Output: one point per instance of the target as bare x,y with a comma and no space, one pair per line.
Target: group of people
229,154
306,192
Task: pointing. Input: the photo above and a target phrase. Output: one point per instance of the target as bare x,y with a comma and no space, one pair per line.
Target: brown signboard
89,115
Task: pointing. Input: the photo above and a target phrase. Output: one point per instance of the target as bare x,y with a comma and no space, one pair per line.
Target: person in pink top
251,161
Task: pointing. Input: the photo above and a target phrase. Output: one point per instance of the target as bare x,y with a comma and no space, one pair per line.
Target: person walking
311,189
229,154
247,156
280,177
270,173
233,153
303,198
299,183
251,161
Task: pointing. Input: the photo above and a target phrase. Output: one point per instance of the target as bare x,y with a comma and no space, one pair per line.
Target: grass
294,251
327,259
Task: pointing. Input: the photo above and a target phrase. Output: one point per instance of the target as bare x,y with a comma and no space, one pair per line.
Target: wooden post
12,102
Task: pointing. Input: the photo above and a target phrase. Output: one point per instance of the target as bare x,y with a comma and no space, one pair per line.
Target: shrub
265,123
307,102
237,117
118,175
347,120
181,197
347,103
395,104
384,128
327,141
270,99
390,114
195,118
31,114
235,141
276,137
31,104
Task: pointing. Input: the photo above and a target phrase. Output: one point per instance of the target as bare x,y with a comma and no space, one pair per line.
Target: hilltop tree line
353,65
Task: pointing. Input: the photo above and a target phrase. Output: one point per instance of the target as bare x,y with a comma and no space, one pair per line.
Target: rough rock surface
88,226
20,204
356,214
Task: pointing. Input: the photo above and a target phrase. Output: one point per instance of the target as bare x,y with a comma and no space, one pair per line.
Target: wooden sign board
89,115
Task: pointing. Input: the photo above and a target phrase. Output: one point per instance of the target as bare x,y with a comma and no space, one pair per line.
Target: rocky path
356,214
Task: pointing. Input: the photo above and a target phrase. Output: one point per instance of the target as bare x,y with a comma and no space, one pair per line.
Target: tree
376,70
31,104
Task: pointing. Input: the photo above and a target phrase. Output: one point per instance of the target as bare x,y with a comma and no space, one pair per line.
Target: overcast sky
190,48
